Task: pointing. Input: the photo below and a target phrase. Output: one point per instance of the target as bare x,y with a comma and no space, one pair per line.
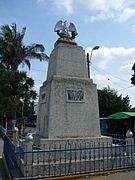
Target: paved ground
126,175
1,146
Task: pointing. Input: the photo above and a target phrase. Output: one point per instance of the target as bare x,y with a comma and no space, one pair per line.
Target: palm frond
27,62
6,32
34,55
14,30
13,52
22,34
44,57
36,48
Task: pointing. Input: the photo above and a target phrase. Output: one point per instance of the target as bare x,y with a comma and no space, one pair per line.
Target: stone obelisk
68,101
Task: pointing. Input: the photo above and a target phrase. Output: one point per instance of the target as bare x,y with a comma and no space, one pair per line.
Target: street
126,175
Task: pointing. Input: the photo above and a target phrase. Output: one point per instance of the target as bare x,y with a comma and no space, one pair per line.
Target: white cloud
65,5
121,58
122,87
118,10
106,56
101,17
126,15
37,87
126,69
103,5
105,80
33,74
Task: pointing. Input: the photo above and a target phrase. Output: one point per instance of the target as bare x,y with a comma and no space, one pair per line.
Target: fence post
28,157
129,145
15,134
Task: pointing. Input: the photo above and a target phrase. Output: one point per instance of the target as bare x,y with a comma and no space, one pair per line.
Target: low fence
9,154
117,138
56,161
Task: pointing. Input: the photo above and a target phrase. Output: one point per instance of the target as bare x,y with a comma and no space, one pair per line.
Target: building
118,123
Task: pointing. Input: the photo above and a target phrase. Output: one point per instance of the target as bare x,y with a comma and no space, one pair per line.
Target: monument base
69,109
65,41
72,156
71,142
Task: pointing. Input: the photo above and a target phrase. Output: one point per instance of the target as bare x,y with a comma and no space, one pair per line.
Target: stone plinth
67,60
61,117
92,142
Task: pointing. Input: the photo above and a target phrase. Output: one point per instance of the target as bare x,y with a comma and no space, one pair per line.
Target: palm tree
12,50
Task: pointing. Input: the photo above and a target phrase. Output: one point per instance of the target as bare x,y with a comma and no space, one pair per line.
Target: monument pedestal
83,142
68,102
65,116
68,114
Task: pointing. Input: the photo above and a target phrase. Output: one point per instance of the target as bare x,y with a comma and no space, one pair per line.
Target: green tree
110,102
13,52
15,87
133,76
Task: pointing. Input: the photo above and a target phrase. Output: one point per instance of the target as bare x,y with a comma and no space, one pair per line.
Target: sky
109,24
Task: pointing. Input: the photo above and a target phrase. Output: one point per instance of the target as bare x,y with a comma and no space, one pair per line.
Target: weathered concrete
84,141
68,103
67,60
56,160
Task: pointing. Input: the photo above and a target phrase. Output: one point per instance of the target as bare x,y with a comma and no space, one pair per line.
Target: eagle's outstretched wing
58,26
72,28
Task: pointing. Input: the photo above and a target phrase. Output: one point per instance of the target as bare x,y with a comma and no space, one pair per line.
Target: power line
125,88
111,74
108,78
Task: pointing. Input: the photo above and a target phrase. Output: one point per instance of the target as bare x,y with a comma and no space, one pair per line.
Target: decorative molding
75,95
43,98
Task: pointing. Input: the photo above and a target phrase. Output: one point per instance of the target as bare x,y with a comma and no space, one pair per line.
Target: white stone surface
67,60
15,136
57,117
88,141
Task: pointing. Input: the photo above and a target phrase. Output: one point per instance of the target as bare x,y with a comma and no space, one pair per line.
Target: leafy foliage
133,76
15,87
110,102
12,50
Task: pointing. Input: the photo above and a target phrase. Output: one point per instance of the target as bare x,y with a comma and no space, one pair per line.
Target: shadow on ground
3,175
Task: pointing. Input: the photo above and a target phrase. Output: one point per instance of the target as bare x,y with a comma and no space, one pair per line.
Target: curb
92,174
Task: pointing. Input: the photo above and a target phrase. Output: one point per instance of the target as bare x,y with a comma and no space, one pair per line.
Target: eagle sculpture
65,31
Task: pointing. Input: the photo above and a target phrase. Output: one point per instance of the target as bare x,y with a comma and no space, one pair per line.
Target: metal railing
9,154
117,138
59,160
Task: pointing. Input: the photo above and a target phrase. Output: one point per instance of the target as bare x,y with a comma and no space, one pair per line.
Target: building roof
120,115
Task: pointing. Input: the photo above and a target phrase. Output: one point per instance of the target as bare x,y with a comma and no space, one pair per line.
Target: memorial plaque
43,98
75,95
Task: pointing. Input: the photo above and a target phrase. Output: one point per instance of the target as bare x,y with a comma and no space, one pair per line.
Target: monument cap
66,33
